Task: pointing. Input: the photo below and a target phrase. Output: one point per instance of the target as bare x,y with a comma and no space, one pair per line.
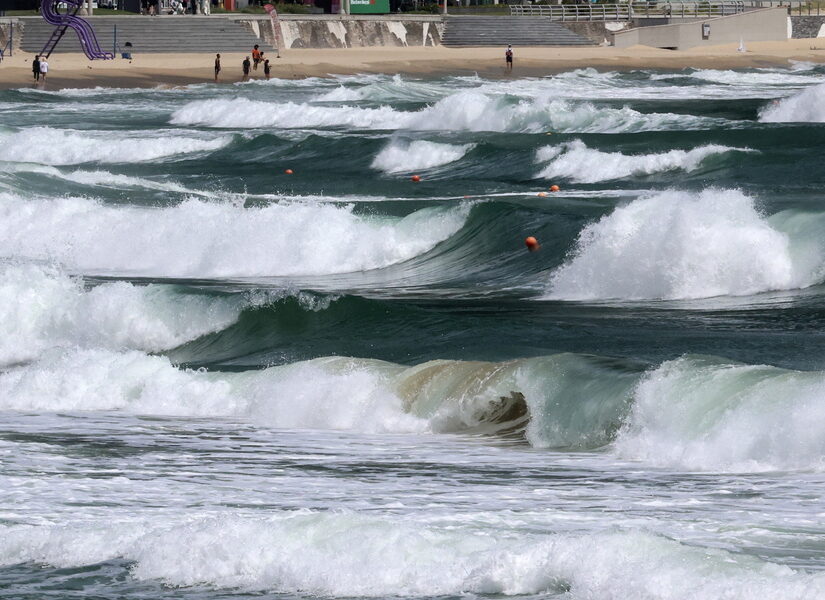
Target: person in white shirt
44,68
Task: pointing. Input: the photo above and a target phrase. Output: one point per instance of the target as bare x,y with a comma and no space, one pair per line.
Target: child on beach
245,69
266,68
508,57
36,68
217,66
44,69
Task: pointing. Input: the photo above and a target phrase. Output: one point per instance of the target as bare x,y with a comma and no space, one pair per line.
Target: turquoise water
219,380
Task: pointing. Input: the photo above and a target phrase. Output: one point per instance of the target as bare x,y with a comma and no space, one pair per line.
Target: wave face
807,106
404,157
41,308
677,245
60,147
711,415
460,111
577,162
323,554
203,239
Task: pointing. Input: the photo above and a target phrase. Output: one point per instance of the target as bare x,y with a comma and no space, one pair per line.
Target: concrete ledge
764,25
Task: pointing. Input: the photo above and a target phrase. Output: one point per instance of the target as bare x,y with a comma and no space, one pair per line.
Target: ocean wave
680,245
460,111
706,414
577,162
807,106
46,145
324,553
209,239
403,157
42,308
696,413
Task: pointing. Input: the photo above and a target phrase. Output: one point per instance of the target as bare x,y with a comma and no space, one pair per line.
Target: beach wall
350,31
807,27
770,24
6,26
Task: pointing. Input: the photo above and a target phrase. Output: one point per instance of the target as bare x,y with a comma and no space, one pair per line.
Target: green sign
369,7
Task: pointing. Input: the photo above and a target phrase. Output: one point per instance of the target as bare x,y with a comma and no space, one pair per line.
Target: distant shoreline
152,70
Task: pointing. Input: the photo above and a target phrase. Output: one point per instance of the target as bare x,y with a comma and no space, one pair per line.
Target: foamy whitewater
244,353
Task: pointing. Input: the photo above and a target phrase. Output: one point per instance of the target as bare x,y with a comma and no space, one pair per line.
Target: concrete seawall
350,31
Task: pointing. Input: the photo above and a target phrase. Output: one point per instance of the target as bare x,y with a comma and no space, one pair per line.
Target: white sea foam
460,111
685,245
710,415
325,553
41,308
403,157
577,162
50,146
807,106
208,239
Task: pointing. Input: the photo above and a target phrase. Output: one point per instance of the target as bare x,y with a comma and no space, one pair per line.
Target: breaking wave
42,308
697,413
807,106
403,157
577,162
324,553
62,147
209,239
460,111
680,245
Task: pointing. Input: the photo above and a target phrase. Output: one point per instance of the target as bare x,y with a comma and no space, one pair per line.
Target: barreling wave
460,111
807,106
323,553
403,157
577,162
209,239
42,308
46,145
697,413
680,245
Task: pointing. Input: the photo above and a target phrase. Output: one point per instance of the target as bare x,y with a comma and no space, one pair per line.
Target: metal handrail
797,7
628,11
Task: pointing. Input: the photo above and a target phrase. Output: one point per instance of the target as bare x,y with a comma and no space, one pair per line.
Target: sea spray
679,245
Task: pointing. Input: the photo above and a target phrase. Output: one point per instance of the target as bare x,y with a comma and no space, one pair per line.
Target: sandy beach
149,70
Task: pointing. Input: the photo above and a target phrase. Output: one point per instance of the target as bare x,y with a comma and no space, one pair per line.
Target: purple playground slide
63,21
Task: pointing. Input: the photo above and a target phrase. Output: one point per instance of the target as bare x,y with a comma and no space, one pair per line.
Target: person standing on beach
266,68
217,66
44,69
256,57
508,57
36,68
245,69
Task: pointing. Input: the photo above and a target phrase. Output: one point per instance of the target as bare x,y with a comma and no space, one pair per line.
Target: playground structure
69,19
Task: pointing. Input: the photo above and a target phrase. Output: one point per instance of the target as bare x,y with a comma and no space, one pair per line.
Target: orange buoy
415,178
554,188
541,194
288,171
532,244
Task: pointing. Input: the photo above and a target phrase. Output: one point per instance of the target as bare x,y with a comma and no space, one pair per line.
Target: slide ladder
63,21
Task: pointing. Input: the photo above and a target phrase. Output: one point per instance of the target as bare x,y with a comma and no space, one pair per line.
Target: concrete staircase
166,33
501,30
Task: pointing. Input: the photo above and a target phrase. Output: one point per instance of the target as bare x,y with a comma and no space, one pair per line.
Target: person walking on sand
36,68
266,68
217,66
44,69
508,57
245,69
256,57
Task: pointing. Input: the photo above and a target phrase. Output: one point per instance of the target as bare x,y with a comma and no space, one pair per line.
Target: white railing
795,7
628,11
